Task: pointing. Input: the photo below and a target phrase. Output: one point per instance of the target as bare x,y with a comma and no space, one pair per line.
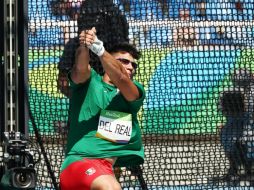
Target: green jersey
89,100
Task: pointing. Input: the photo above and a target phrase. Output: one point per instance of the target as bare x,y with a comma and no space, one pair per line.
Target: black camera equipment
19,163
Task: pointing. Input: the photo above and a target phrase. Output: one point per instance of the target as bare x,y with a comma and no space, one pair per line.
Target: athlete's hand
90,40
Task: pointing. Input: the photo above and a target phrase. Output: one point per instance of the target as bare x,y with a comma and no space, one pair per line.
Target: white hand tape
97,47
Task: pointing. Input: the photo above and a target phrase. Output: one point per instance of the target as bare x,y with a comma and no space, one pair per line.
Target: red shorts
80,174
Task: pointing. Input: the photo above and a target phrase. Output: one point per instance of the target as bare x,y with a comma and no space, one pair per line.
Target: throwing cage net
196,65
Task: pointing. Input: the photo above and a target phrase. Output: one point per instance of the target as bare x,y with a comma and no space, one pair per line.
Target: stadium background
183,78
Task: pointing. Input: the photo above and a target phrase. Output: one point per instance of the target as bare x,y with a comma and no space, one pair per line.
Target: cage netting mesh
196,65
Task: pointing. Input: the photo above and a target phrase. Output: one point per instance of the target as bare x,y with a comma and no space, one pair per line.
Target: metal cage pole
15,65
1,69
1,82
14,60
10,66
22,23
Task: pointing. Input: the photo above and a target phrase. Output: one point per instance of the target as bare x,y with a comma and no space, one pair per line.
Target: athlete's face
127,61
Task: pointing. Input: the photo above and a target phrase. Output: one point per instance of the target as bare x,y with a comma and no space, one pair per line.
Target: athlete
104,130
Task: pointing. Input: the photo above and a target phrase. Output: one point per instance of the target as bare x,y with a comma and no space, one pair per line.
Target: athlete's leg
81,174
105,182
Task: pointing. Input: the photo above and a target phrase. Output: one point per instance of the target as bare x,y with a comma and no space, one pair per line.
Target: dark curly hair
125,47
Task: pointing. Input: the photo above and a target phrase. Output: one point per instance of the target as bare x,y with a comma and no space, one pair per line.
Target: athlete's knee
117,187
105,184
106,187
111,186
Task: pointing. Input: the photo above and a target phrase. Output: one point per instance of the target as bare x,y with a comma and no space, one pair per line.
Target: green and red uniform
87,102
